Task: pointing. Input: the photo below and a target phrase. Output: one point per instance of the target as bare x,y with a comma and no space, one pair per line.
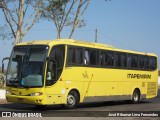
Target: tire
72,100
136,96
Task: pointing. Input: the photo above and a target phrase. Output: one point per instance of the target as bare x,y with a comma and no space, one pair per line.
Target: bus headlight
8,92
36,94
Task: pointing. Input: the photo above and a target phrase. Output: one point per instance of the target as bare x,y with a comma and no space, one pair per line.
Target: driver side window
55,68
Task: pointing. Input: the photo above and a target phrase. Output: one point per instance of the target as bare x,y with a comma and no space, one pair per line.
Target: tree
19,17
65,13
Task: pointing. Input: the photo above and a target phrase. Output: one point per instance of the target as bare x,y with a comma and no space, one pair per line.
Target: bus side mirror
7,58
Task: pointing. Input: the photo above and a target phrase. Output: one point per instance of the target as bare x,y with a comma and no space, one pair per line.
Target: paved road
90,109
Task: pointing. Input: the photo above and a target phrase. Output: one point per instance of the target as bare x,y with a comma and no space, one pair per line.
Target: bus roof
80,43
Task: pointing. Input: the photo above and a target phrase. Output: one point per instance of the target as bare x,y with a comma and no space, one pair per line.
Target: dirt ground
3,101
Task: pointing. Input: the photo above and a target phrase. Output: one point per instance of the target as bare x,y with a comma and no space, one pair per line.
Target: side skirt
110,98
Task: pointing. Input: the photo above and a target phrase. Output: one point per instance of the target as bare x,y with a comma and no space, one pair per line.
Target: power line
112,39
95,31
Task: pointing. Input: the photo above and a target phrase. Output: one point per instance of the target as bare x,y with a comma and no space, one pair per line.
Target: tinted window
146,63
123,60
58,54
54,69
107,58
110,58
117,59
102,58
93,57
75,56
143,62
86,57
78,56
153,63
129,61
132,61
71,56
120,59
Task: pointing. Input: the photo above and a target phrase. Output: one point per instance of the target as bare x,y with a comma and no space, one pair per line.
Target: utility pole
96,36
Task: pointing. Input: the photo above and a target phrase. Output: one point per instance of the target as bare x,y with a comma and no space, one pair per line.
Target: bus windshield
26,66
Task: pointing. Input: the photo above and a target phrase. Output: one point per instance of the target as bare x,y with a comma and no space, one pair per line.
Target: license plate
20,99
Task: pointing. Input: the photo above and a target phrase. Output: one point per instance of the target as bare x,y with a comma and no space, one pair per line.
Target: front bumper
36,100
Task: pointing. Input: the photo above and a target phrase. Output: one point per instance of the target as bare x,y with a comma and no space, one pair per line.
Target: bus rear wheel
72,100
136,96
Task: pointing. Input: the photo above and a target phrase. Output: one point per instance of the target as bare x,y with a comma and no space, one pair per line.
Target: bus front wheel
72,100
136,96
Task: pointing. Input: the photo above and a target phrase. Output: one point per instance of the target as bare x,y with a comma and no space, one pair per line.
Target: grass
2,86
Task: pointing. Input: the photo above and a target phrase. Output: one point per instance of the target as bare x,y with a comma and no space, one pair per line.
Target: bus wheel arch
136,95
73,99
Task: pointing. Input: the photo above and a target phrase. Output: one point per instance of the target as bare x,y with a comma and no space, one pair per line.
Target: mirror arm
2,67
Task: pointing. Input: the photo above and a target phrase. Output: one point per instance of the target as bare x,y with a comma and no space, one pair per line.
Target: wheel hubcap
71,100
136,97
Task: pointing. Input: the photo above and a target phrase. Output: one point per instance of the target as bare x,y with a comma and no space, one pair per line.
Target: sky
125,24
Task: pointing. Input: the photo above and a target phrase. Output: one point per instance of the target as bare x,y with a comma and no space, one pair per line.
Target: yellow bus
70,72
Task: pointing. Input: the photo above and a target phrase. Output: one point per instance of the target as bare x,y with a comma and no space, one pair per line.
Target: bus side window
75,56
123,60
110,58
141,62
120,60
134,61
129,61
86,57
102,58
117,59
146,62
93,57
71,56
78,56
56,66
153,63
